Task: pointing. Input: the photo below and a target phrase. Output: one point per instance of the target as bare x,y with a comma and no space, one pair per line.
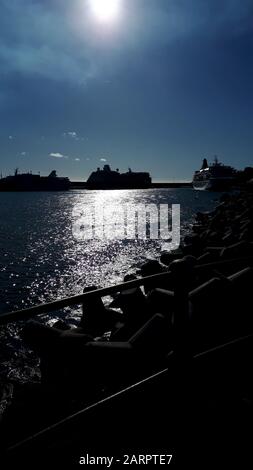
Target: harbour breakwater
171,184
195,298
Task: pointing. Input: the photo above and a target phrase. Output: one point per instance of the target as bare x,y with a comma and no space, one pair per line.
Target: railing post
182,271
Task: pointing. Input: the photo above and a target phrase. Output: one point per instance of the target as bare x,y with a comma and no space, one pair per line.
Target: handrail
95,405
134,386
78,299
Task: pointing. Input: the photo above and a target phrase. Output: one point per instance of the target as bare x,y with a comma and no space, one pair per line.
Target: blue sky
165,84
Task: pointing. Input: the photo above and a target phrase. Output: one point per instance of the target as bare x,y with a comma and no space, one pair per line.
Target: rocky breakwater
214,266
172,313
201,298
193,299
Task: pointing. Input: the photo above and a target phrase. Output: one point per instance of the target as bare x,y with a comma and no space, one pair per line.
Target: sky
155,85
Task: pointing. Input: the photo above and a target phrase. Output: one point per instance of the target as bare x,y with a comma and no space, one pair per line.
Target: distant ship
214,177
110,179
30,182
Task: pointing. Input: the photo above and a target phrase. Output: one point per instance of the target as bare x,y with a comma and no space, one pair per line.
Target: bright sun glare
105,10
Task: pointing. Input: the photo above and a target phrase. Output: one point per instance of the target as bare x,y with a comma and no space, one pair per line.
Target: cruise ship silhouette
214,177
110,179
30,182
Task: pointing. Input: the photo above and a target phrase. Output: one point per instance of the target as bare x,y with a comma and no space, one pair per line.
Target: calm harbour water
40,260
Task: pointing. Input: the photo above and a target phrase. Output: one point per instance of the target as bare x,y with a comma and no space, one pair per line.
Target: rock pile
202,300
198,297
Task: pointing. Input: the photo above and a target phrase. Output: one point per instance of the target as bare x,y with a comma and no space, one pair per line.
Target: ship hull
31,183
110,179
214,184
200,185
115,186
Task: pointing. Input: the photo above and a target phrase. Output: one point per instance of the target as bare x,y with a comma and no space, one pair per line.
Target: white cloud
57,155
77,159
103,160
71,134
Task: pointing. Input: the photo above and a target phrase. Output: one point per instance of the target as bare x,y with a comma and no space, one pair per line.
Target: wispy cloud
71,134
39,39
77,159
55,41
103,159
57,155
176,19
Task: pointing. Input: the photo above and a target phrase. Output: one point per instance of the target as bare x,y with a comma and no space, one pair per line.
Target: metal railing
75,418
152,280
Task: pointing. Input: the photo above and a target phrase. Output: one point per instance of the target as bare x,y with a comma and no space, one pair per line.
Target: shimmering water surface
40,260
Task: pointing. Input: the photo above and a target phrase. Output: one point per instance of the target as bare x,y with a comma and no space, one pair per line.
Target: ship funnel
204,164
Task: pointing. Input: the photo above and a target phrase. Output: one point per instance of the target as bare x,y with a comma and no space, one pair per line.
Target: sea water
41,260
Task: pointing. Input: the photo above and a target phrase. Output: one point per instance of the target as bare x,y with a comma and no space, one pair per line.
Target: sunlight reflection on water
40,260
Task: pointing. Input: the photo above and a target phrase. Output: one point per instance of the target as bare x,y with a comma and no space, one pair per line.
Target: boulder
168,256
239,249
151,267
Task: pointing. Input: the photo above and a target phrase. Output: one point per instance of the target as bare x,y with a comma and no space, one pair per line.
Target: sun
105,10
